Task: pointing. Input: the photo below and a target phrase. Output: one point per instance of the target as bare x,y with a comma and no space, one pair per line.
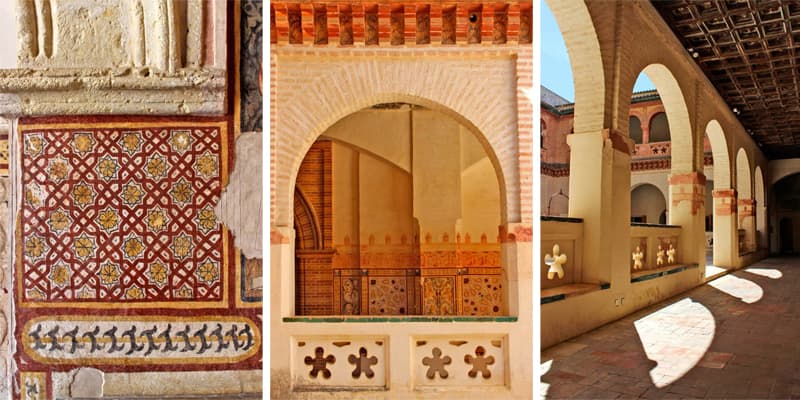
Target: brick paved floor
735,337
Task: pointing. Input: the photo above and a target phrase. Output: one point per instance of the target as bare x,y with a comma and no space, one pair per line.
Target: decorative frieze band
407,23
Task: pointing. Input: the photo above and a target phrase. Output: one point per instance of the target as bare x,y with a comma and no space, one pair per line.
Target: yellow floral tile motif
132,194
134,293
206,219
82,142
34,196
84,247
182,246
108,220
35,247
157,166
59,169
85,293
185,292
132,247
107,168
208,272
206,165
157,220
131,142
59,221
181,140
60,274
114,215
109,274
83,195
34,144
182,192
158,273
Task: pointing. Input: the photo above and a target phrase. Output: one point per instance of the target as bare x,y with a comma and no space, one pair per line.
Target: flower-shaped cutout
180,140
208,272
35,247
59,221
182,246
108,220
206,165
555,262
158,273
156,166
132,247
134,293
60,274
107,168
132,194
182,192
131,142
34,144
109,274
206,219
84,247
157,220
83,195
82,142
58,169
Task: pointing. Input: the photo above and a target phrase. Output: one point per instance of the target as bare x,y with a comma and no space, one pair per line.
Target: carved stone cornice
61,91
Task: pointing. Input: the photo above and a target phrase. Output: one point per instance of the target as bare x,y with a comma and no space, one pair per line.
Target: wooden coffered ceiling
749,50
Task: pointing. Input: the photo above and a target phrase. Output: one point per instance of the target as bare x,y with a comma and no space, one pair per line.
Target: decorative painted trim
420,318
93,339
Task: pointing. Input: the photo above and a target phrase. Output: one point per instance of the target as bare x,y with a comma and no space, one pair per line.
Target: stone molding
112,91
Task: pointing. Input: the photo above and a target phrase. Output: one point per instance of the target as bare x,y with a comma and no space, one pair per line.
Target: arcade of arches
661,208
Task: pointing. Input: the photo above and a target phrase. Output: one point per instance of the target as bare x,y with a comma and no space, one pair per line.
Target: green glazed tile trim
671,271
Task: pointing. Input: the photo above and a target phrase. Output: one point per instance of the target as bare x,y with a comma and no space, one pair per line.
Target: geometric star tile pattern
121,215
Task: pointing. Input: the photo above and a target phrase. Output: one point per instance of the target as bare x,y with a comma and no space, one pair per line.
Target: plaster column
726,249
687,194
281,272
599,188
645,133
746,211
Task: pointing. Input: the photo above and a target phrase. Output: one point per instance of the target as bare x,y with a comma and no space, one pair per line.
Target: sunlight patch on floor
767,272
676,338
744,289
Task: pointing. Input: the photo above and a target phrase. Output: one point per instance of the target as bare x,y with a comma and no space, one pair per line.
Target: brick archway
315,102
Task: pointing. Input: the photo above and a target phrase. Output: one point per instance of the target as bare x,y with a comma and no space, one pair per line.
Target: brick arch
305,224
313,105
672,97
583,48
719,153
743,182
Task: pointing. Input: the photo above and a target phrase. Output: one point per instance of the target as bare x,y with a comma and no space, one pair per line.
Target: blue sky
556,70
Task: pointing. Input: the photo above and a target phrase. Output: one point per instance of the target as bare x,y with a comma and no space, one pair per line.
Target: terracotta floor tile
735,337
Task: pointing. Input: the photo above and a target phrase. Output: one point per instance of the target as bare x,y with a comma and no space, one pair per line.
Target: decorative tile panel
346,363
130,340
122,215
459,361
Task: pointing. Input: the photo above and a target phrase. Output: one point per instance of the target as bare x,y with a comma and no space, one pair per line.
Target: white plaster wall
8,35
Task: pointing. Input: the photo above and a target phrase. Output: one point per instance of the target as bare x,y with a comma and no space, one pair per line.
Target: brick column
687,194
281,272
725,247
746,211
599,188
